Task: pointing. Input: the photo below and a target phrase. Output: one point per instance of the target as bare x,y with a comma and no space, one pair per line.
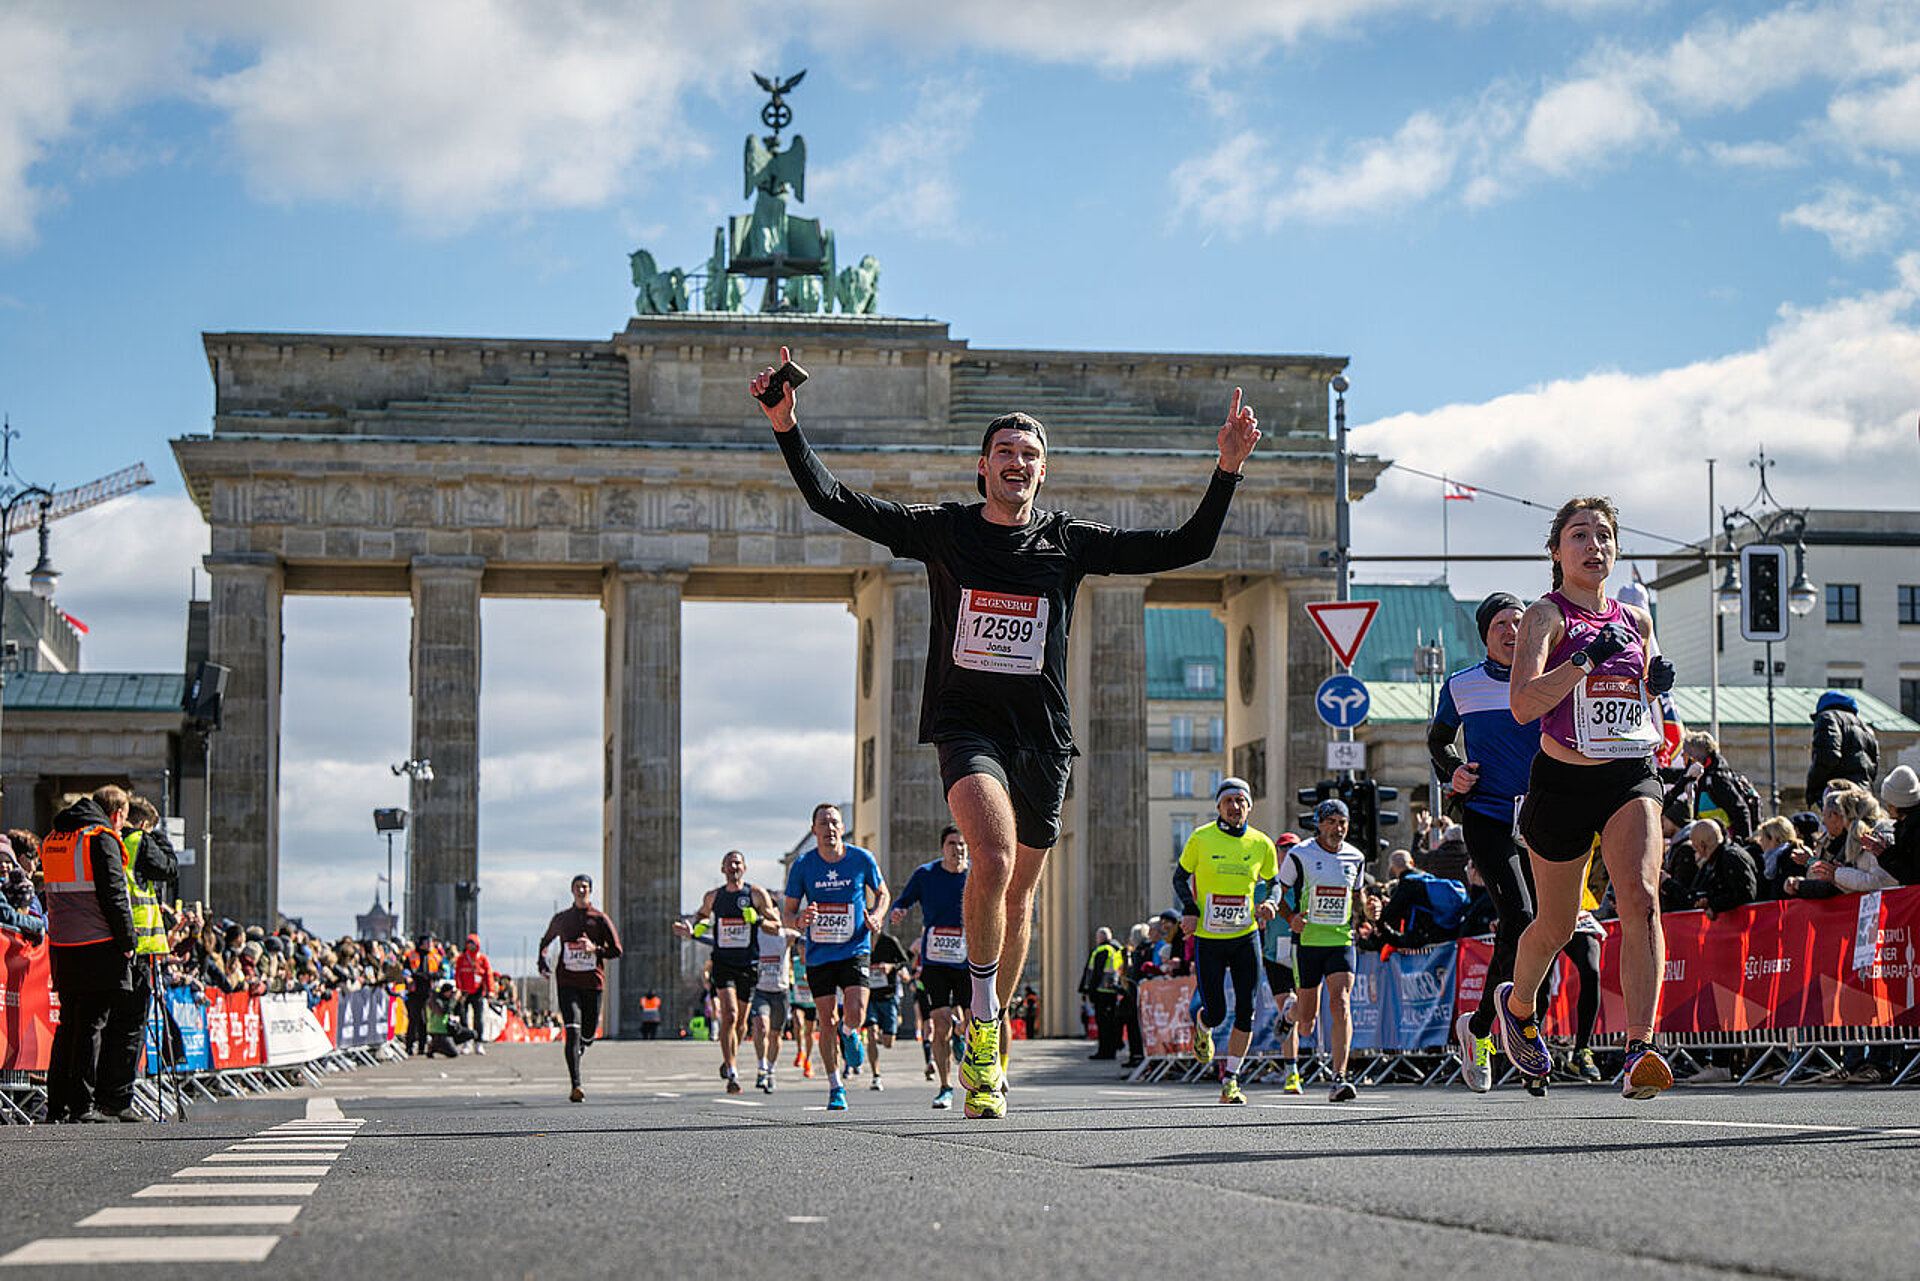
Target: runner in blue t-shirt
1491,778
839,922
937,888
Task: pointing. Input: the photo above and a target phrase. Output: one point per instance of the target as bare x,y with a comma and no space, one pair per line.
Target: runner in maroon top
587,942
1585,666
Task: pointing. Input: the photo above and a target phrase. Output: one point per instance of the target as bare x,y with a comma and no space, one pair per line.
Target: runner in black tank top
728,921
1001,579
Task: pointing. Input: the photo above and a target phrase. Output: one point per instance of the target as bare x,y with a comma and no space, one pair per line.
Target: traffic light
1311,797
1383,794
1363,820
1763,613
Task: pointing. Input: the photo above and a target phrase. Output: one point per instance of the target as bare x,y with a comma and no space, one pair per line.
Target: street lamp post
1758,599
44,578
419,773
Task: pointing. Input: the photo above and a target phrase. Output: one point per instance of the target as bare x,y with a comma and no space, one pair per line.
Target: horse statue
858,288
660,291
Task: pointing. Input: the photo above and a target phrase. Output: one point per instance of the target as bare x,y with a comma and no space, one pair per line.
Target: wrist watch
1581,660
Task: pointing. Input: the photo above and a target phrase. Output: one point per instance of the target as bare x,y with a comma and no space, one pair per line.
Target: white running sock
833,1080
985,1005
1233,1066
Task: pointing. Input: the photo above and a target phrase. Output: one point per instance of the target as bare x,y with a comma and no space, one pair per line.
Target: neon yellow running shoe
980,1069
1202,1044
989,1104
1006,1047
1230,1090
1292,1084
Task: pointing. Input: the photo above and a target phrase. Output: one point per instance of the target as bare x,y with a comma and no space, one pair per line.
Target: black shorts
946,986
834,977
1311,964
1279,978
742,977
1568,805
883,1013
1035,780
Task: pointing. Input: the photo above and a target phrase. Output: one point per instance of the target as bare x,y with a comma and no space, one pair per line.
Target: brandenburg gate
637,471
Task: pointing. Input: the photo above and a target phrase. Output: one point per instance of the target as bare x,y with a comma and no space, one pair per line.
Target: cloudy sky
1567,244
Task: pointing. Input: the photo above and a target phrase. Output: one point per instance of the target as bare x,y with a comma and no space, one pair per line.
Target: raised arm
1533,691
1152,551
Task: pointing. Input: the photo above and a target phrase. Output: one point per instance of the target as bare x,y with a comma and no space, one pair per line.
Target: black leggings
580,1012
1213,960
1584,951
1503,865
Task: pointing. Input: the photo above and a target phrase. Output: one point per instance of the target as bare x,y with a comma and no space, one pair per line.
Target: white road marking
227,1189
740,1103
253,1172
806,1218
167,1216
664,1094
1782,1125
1324,1107
289,1145
273,1156
174,1249
324,1108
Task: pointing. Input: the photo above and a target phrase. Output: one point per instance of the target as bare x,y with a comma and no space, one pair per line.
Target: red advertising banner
26,1004
233,1030
1840,962
1470,979
516,1030
328,1012
1165,1025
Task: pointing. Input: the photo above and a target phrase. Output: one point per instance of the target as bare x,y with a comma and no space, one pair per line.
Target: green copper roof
1177,637
1411,611
1403,701
94,691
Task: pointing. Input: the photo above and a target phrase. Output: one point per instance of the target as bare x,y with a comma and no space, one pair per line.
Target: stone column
1111,622
243,863
641,792
445,825
898,806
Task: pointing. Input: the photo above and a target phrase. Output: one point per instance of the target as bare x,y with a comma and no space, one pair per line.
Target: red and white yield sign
1344,623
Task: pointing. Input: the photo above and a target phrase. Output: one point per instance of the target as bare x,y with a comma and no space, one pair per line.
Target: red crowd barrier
27,1011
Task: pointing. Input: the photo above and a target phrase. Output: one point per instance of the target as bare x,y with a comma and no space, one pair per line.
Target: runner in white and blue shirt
834,880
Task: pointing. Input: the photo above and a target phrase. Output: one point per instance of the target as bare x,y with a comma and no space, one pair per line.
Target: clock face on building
1247,672
866,659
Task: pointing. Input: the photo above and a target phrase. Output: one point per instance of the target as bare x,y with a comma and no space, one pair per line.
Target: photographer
20,909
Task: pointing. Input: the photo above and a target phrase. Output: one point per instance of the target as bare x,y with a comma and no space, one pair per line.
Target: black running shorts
741,978
947,986
1311,964
1568,805
1035,780
836,976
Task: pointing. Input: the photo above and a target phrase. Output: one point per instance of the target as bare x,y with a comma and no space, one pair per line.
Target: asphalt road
479,1167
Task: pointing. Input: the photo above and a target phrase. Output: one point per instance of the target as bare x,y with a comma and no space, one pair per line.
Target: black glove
1607,642
1659,676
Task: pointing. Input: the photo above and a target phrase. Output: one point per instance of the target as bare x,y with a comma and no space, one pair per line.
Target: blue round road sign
1342,701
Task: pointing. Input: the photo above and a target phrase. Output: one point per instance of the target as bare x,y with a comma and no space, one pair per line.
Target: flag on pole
1455,492
74,623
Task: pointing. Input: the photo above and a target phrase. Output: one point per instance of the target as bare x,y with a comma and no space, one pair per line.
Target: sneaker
1343,1091
1520,1038
479,1048
723,1072
1284,1024
760,1081
1647,1072
851,1050
1476,1055
988,1104
1712,1074
943,1100
1230,1091
578,1096
876,1082
837,1099
806,1069
929,1071
1292,1084
1584,1067
1536,1086
733,1085
1202,1044
959,1040
980,1069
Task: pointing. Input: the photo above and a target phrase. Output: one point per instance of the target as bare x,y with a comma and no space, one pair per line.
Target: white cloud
1854,223
1754,155
1830,393
902,176
1577,126
125,569
1886,117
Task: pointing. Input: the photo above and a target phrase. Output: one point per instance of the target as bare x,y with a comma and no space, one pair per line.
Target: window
1909,604
1216,734
1846,682
1183,825
1183,782
1843,602
1213,781
1910,698
1202,677
1181,732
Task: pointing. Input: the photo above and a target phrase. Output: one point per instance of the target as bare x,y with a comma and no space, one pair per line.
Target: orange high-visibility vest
74,917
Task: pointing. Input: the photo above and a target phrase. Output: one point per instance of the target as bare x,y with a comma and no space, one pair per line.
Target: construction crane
68,502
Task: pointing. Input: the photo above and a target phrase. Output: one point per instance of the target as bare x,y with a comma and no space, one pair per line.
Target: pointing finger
1234,410
783,355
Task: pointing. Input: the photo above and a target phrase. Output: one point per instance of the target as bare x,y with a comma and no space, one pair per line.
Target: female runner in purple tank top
1584,666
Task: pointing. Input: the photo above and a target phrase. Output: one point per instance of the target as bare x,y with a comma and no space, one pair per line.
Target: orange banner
26,1004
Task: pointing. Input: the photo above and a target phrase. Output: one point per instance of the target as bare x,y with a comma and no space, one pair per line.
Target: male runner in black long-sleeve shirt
1001,581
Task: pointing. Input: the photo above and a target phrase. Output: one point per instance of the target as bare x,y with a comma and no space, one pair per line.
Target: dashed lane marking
227,1189
166,1216
144,1249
